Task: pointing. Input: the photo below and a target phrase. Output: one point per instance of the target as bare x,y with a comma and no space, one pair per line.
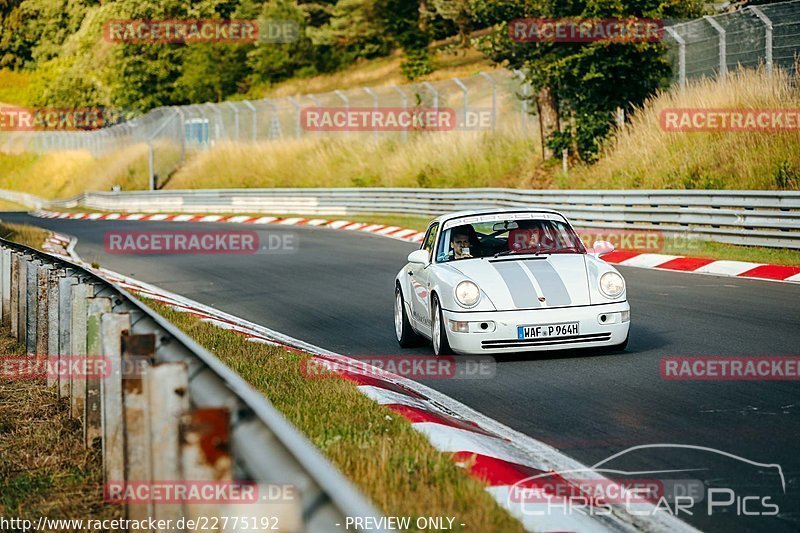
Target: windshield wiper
509,252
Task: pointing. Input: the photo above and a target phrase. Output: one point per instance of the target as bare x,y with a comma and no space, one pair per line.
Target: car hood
556,280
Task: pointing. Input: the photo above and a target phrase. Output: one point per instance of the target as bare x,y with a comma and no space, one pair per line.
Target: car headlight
612,284
467,293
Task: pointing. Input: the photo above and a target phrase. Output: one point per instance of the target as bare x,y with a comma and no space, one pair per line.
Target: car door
420,284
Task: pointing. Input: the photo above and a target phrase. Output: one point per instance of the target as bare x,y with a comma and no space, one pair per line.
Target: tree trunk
547,105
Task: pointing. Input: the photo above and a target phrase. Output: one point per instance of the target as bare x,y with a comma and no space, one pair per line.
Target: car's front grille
572,339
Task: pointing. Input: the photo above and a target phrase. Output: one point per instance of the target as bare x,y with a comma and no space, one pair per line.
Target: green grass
393,464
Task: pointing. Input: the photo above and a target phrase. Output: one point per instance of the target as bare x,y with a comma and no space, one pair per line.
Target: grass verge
24,234
44,468
393,464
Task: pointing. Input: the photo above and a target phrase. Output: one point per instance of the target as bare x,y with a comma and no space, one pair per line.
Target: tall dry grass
441,159
642,155
67,173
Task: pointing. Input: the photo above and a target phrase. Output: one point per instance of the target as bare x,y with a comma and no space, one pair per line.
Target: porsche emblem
541,298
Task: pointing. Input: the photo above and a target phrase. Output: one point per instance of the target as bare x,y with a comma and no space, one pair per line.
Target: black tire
442,347
406,337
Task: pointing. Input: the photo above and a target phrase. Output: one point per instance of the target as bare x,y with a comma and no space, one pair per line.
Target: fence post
768,30
404,133
681,55
205,453
167,387
253,110
466,97
235,118
151,167
65,284
112,327
346,101
494,98
137,354
296,105
723,51
93,408
375,108
525,95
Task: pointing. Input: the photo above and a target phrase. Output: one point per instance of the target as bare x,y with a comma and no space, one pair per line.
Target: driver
459,240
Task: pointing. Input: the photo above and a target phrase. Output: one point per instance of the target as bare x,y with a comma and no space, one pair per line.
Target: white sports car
503,281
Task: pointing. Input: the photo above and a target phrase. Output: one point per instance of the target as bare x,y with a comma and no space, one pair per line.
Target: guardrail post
93,408
13,296
205,453
112,327
52,327
167,386
79,301
42,310
65,284
31,310
5,285
137,354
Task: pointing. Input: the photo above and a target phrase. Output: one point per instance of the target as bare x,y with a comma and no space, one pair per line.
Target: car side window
430,238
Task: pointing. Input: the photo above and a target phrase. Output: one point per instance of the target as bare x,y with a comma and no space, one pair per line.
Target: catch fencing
711,46
167,411
763,218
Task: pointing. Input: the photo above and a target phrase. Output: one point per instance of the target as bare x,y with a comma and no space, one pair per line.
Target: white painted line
94,216
210,218
158,217
238,219
134,216
112,216
388,229
182,218
265,220
354,226
796,277
372,228
648,260
403,233
727,268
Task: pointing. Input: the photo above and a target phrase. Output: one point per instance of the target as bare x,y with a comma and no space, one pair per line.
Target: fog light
459,327
626,316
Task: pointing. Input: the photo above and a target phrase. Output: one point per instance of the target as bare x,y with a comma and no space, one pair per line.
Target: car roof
492,210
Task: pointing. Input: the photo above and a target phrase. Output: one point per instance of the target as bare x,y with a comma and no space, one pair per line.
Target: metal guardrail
763,218
166,401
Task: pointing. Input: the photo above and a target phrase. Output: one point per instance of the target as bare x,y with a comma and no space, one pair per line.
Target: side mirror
419,257
602,247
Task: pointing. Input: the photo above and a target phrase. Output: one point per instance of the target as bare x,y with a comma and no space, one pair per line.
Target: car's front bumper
501,334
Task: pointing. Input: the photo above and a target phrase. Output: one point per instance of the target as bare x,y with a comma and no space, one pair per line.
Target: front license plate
547,330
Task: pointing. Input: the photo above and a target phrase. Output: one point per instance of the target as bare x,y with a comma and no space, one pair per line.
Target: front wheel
441,346
402,327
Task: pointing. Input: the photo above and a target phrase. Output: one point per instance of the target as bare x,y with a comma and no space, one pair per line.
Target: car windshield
498,238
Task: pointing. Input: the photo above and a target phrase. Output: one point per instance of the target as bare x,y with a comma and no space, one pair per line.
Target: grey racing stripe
519,285
551,283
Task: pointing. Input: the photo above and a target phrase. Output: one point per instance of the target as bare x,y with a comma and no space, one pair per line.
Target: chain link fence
488,101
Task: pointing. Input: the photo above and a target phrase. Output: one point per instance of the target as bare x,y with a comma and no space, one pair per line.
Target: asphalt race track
336,291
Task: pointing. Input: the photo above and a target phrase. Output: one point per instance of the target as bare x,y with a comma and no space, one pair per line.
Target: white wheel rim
398,315
436,330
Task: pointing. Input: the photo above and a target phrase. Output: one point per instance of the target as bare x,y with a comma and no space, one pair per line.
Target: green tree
578,86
